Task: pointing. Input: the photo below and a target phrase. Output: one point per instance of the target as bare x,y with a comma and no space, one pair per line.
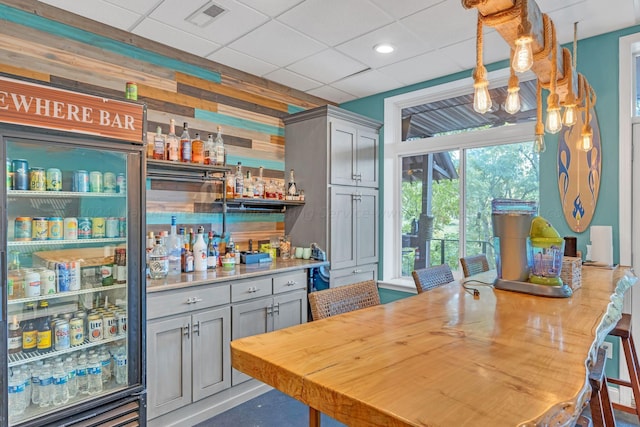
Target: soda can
55,226
70,226
62,273
95,327
54,179
22,228
122,226
121,183
98,227
32,284
39,228
37,179
131,91
109,182
76,331
95,182
109,325
62,339
84,228
122,322
47,281
20,174
80,181
111,228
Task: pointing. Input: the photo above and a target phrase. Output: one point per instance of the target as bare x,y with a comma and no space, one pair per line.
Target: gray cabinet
335,155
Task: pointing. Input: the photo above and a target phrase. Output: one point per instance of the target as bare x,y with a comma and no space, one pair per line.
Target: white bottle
35,382
105,361
158,260
121,367
45,386
26,377
94,375
200,254
81,374
219,149
69,367
16,394
174,248
60,391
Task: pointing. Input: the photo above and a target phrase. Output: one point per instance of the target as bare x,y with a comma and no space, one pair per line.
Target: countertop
241,271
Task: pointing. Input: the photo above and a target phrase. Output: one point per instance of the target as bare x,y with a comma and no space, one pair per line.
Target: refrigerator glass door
66,274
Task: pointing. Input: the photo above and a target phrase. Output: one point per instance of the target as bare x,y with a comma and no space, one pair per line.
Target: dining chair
431,277
474,264
342,299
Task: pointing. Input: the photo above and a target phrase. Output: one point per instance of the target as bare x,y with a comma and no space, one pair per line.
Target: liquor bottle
209,151
230,185
212,252
231,246
185,144
239,191
158,145
197,150
258,185
200,254
15,337
187,266
174,247
159,260
221,158
15,277
248,186
173,144
292,190
151,241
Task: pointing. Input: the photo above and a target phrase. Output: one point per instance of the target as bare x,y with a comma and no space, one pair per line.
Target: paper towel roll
602,244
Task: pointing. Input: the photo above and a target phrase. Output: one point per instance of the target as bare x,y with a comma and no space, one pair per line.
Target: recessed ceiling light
383,48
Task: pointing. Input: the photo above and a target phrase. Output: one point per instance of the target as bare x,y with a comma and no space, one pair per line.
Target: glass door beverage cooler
73,222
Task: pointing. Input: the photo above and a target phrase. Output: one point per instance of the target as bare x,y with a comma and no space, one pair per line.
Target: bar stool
623,331
600,404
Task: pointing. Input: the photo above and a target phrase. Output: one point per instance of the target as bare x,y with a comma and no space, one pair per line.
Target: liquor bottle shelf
60,194
98,288
65,242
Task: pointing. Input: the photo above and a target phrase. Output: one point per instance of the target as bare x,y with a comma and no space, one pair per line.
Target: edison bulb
553,123
512,104
523,54
570,118
585,142
481,98
538,144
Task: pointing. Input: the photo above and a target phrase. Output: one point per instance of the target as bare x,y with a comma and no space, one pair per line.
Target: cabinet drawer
243,290
289,282
346,276
185,300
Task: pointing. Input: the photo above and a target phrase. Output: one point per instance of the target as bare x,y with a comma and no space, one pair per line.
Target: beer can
75,283
54,179
131,91
84,228
62,274
109,182
70,226
55,226
109,326
9,174
98,227
37,179
32,284
95,327
22,228
122,322
76,331
80,181
39,228
47,281
95,182
20,174
62,339
121,183
122,226
111,228
81,314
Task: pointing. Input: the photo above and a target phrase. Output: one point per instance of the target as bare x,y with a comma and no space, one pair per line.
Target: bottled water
60,394
35,382
105,361
16,394
81,374
94,375
45,385
121,367
69,367
26,377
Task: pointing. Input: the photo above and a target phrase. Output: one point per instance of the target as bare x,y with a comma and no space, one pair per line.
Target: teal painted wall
598,61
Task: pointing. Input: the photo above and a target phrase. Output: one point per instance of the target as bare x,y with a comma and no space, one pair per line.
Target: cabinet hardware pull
189,300
270,310
357,271
276,308
196,328
291,283
185,330
252,289
196,299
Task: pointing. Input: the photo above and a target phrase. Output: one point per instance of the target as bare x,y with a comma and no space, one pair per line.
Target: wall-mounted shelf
260,205
179,171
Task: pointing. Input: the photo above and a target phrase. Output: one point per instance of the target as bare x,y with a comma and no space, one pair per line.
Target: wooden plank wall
42,43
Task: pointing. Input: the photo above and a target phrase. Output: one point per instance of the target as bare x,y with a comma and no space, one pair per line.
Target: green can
54,179
131,91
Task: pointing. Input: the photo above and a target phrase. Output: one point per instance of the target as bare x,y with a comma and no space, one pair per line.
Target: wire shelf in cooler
63,194
98,288
65,242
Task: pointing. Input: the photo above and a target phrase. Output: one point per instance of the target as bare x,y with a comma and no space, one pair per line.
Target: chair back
432,277
474,264
342,299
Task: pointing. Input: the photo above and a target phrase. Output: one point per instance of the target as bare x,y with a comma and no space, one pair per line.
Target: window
446,177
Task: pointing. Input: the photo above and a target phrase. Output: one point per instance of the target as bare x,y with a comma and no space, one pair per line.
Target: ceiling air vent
205,15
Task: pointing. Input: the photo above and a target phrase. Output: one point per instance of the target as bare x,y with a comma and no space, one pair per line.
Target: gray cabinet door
289,309
169,371
342,250
250,318
367,158
343,149
367,226
211,353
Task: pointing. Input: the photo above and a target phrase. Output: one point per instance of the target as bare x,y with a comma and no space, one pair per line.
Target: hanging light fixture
538,141
481,97
570,116
522,60
585,142
512,103
553,123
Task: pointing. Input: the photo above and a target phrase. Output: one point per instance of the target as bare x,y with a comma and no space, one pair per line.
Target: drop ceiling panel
327,66
360,84
421,68
240,61
277,44
329,92
173,37
443,24
335,21
98,10
271,8
292,79
464,53
404,8
143,7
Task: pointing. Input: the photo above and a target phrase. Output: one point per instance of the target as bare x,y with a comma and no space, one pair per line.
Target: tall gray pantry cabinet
335,156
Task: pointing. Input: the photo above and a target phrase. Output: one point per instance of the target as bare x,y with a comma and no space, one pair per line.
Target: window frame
395,149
